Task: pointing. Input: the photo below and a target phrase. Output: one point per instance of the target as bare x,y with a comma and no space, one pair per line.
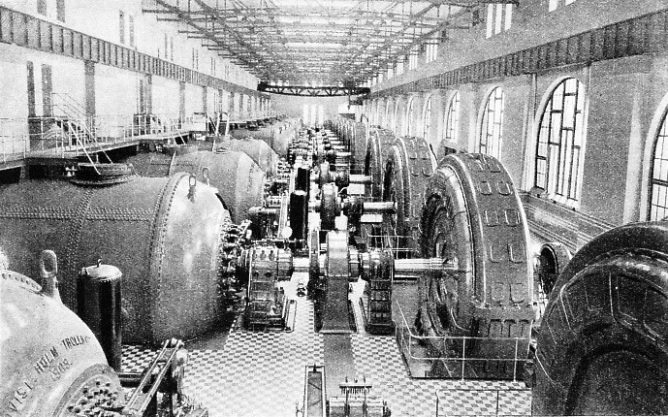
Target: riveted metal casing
239,180
164,234
50,359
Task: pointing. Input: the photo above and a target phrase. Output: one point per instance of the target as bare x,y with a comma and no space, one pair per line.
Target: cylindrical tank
280,138
277,136
99,306
240,181
258,150
163,234
50,360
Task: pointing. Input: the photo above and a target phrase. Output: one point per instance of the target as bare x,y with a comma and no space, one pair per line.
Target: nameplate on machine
51,365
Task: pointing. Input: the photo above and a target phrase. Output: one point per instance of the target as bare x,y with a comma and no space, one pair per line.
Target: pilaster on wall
89,89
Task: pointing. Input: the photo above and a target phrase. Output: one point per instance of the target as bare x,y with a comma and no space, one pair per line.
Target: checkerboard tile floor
379,360
261,374
136,358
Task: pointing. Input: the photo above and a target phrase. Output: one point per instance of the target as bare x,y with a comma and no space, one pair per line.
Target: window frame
426,118
660,133
410,117
499,19
563,185
446,119
484,124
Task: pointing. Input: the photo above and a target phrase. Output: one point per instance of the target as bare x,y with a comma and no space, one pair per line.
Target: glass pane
542,142
552,168
492,123
558,97
555,136
541,165
575,176
569,111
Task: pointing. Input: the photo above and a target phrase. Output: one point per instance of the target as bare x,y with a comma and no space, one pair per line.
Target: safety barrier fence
459,357
56,135
14,143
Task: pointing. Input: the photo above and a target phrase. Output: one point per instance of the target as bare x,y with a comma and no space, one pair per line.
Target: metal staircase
75,125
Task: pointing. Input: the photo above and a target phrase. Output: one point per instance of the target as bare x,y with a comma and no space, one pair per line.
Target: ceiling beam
462,3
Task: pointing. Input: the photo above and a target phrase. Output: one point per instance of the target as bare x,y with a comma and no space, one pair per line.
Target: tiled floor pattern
136,358
484,402
378,360
262,374
257,373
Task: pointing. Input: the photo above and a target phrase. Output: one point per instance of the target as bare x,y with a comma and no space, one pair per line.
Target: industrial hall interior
333,208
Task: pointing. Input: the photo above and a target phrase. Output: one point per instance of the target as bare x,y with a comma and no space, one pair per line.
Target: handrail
74,110
66,102
76,135
405,332
50,135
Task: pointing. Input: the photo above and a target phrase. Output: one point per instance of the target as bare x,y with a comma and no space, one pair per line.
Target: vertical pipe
99,306
298,214
303,179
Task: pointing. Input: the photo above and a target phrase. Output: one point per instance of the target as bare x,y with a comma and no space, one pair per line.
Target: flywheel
474,221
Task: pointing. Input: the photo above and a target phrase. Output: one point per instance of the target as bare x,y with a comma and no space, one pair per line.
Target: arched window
394,123
426,120
410,119
452,120
387,121
560,142
491,131
658,208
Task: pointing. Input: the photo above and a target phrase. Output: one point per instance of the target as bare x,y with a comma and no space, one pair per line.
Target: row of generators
458,226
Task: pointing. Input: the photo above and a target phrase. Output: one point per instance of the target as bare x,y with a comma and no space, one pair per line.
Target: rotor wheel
378,145
359,146
602,346
394,190
474,221
409,166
